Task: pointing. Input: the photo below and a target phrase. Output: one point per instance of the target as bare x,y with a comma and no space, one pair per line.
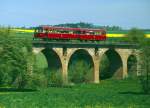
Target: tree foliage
104,67
80,72
137,36
88,25
14,59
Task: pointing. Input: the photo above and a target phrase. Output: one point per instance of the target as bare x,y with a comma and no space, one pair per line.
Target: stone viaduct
96,52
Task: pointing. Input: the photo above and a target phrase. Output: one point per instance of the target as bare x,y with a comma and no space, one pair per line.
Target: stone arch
37,59
115,64
133,52
59,52
37,50
51,59
72,51
132,65
84,54
125,54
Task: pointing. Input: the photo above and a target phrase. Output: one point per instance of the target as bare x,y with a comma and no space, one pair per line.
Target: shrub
36,81
144,84
80,72
54,77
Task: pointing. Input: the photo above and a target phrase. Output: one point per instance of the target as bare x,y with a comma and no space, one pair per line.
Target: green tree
137,36
14,59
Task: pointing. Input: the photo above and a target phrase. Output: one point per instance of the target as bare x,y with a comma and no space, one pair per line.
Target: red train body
62,33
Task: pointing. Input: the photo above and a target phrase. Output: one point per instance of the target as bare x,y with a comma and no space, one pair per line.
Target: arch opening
132,66
53,60
49,64
111,65
80,67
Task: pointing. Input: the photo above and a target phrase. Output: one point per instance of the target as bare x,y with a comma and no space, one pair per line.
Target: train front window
40,30
36,30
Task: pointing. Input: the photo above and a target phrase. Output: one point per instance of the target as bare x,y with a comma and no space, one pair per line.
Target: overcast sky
124,13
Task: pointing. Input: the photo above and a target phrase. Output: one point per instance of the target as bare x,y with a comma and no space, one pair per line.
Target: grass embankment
107,94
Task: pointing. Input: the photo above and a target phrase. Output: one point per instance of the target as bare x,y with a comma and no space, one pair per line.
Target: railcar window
36,31
77,32
98,33
91,32
83,32
70,32
65,31
43,31
103,32
87,33
50,31
40,30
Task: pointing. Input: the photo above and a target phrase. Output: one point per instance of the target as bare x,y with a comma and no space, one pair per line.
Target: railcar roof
72,29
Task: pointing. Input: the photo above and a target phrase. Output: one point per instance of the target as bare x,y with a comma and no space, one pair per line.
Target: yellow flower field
23,30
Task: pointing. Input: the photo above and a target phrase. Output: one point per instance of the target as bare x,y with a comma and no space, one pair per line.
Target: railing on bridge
84,44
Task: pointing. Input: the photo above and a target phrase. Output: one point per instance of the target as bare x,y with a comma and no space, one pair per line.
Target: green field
107,94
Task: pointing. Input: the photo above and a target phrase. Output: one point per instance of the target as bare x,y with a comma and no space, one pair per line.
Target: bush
36,81
54,77
80,72
145,84
104,67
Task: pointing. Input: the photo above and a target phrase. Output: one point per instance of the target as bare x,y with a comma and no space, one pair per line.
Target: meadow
107,94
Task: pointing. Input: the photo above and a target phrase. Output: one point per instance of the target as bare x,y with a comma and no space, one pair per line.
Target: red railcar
62,33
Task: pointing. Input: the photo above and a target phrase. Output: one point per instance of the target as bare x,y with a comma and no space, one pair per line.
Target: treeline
82,25
89,25
86,25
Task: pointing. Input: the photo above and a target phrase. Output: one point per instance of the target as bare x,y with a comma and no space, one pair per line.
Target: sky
124,13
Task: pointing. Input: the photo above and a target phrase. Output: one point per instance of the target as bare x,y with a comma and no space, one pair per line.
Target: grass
107,94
